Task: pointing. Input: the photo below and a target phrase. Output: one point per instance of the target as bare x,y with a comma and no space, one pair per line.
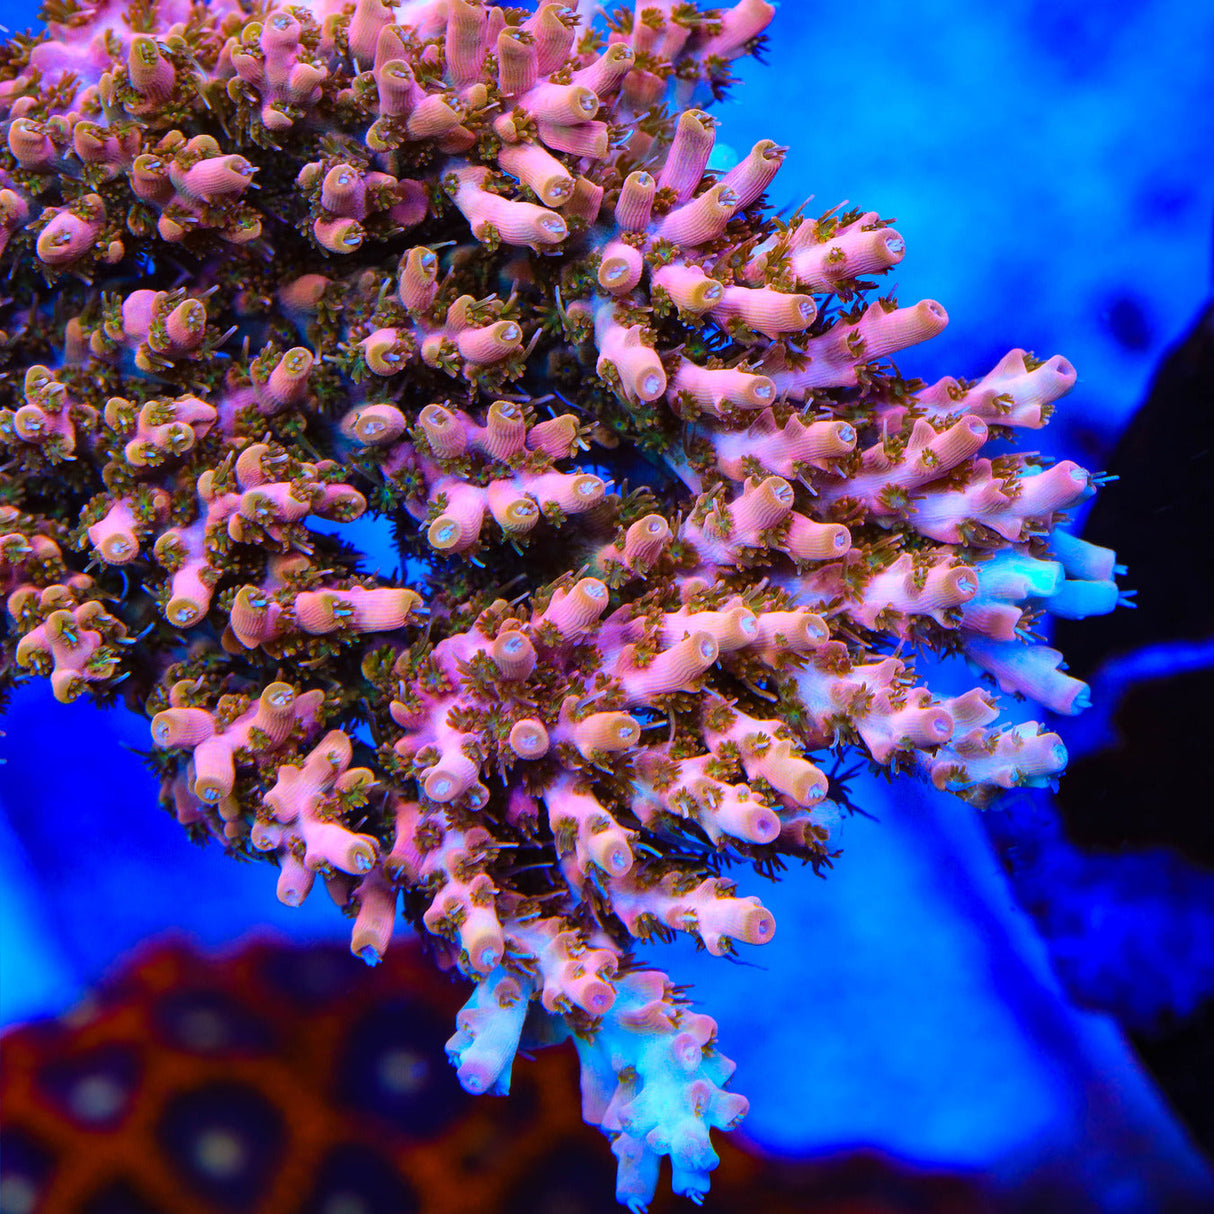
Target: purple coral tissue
670,519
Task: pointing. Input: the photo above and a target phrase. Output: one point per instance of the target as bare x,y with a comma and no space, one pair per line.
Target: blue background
1049,165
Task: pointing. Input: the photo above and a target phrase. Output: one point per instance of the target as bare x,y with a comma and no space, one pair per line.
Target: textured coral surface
672,525
271,1082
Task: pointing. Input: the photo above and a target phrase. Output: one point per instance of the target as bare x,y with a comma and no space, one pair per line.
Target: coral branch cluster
668,523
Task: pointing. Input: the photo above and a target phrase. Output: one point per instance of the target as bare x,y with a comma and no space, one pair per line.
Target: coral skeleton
671,526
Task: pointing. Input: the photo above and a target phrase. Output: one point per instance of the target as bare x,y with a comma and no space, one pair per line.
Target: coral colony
672,523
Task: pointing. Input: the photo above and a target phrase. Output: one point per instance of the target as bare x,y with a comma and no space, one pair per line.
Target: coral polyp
670,523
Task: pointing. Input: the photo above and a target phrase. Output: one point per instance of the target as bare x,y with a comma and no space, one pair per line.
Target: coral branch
666,521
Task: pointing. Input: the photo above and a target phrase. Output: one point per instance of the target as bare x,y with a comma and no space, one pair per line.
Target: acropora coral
671,523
